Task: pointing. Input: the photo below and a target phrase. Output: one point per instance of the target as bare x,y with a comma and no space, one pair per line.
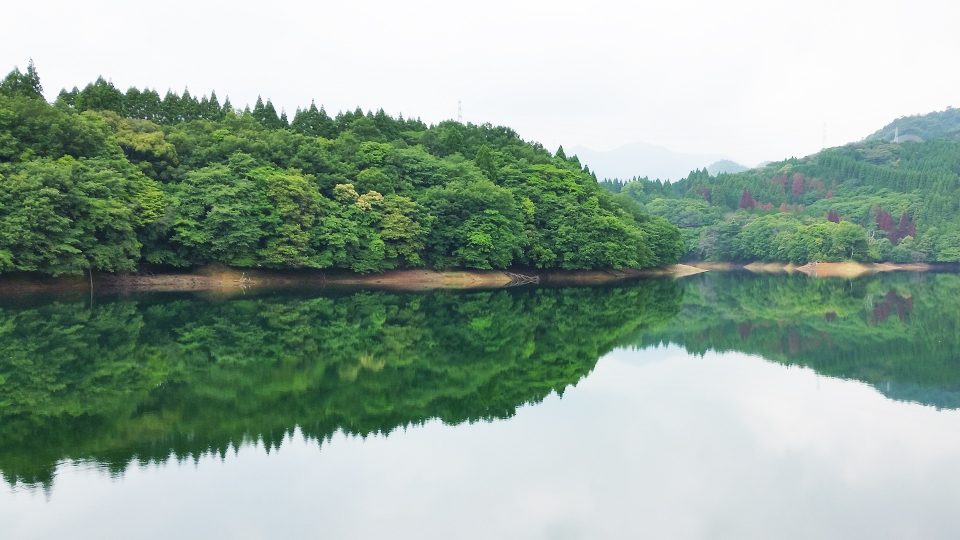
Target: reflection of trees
152,376
892,303
900,333
149,377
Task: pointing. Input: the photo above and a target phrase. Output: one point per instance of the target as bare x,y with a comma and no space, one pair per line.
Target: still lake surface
717,406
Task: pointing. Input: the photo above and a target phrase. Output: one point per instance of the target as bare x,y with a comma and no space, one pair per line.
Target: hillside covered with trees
110,180
875,200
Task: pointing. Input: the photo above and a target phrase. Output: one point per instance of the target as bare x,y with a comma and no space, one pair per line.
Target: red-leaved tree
797,187
905,228
884,220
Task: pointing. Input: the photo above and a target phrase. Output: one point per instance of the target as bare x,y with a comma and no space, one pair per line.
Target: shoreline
847,270
223,280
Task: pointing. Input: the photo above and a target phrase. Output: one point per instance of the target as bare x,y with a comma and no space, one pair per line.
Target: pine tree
227,108
189,106
100,95
32,80
22,84
170,108
258,110
314,122
134,102
152,105
270,119
213,111
67,100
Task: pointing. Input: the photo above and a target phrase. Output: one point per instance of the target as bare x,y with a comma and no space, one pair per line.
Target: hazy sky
752,80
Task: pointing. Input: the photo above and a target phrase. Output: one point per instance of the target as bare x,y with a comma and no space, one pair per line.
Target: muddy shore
227,281
848,270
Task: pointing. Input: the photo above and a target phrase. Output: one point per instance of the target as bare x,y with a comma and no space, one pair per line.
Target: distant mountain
642,159
725,166
936,125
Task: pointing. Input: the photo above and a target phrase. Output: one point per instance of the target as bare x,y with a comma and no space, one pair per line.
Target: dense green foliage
110,180
874,200
144,378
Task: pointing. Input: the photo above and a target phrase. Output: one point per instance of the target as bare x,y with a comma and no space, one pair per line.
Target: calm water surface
718,406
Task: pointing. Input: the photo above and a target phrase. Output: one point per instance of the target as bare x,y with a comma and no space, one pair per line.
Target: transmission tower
459,111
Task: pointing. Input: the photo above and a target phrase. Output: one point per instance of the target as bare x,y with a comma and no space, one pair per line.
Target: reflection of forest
147,377
900,332
150,376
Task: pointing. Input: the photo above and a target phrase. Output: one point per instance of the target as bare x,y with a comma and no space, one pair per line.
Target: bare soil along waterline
847,270
223,280
228,280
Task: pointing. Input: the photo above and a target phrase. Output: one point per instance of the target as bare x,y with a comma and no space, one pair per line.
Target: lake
723,405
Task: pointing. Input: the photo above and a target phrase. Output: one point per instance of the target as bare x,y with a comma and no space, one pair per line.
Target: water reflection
141,379
899,333
146,378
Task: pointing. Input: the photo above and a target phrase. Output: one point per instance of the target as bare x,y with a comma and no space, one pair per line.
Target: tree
22,84
101,95
315,122
66,216
797,185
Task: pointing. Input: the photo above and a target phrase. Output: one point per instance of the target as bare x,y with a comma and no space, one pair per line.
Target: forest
116,181
895,196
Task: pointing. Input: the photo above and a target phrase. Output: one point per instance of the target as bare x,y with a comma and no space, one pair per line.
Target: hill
110,180
725,166
936,125
639,160
867,201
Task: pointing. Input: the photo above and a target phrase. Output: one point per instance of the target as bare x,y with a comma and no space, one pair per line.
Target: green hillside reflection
146,378
899,332
149,377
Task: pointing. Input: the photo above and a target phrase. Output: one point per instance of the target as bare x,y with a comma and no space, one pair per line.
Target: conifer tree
22,84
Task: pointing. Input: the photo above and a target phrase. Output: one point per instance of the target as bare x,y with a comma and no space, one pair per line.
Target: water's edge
223,279
229,279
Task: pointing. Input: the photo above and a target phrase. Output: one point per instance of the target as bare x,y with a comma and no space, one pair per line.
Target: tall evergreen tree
171,108
101,95
22,84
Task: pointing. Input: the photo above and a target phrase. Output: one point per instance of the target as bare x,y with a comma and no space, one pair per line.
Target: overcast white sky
752,80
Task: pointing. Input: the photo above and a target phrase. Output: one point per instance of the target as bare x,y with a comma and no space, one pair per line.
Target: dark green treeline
112,180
